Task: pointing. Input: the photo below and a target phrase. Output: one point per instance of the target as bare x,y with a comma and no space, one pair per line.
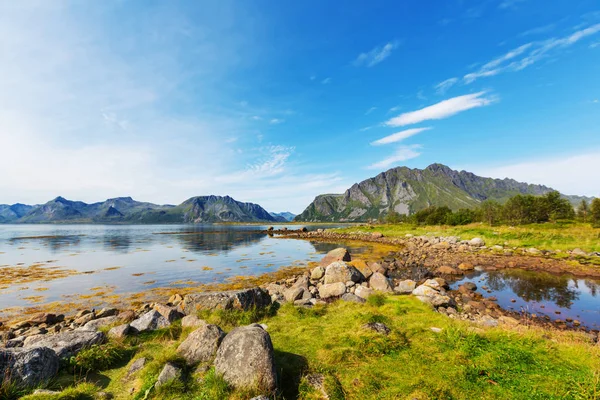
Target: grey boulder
66,344
30,367
169,373
201,345
149,321
339,271
339,254
245,358
232,299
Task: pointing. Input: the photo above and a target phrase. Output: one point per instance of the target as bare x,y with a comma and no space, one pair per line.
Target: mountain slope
127,210
283,216
406,191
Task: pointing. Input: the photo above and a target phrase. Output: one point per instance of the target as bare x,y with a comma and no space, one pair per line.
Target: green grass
549,236
412,362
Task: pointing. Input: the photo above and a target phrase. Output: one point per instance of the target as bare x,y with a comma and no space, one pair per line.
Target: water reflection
535,286
558,297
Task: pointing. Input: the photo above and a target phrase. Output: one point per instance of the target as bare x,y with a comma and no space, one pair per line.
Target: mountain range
407,190
126,210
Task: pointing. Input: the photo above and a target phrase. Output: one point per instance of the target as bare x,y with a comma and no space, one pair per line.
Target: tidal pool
555,296
40,264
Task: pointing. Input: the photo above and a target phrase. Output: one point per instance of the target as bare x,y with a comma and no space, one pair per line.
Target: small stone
465,267
436,330
476,242
136,366
352,298
107,312
363,292
119,332
169,373
317,273
150,321
378,327
379,282
332,290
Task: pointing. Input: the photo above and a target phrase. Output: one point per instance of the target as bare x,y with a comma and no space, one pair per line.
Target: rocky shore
33,350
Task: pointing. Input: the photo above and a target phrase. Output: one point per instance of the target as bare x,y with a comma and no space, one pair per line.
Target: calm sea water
542,293
147,256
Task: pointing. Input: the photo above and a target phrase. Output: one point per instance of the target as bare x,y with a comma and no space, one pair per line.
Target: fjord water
546,295
137,258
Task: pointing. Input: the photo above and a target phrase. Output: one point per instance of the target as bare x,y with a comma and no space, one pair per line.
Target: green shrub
100,357
376,300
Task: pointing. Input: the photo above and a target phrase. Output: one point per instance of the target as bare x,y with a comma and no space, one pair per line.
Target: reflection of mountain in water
119,243
219,241
54,243
535,286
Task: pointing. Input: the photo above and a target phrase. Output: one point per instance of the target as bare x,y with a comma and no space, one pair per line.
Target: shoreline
436,258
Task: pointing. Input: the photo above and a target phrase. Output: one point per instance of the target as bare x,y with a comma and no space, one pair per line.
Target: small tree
490,211
595,212
583,211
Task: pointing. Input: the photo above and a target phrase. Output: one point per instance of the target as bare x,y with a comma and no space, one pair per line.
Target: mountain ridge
198,209
405,190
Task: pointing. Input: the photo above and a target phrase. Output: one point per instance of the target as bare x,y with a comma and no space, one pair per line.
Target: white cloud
443,109
87,109
442,87
399,136
276,121
370,110
575,174
376,55
256,117
529,53
326,81
402,153
594,45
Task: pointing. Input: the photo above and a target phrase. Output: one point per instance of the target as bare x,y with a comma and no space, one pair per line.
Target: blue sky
275,102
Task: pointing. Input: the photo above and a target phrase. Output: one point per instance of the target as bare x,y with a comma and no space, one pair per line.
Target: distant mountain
406,191
283,216
127,210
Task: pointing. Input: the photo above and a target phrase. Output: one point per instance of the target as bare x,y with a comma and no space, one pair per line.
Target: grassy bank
412,362
549,236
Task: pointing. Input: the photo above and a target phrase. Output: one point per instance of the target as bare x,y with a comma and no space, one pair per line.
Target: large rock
245,358
317,273
431,296
476,242
170,313
233,299
332,290
405,287
339,271
339,254
363,292
379,282
29,367
119,332
149,321
96,324
66,344
201,345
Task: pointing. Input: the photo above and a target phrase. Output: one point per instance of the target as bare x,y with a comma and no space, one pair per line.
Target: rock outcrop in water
405,191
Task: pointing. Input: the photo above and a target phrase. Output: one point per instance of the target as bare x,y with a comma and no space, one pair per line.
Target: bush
100,357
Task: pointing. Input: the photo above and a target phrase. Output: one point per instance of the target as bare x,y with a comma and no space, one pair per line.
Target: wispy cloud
510,3
540,30
594,45
442,87
443,109
370,110
376,55
529,53
326,81
402,153
399,136
276,121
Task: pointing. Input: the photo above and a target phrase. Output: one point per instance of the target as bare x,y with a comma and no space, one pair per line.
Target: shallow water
136,258
541,293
